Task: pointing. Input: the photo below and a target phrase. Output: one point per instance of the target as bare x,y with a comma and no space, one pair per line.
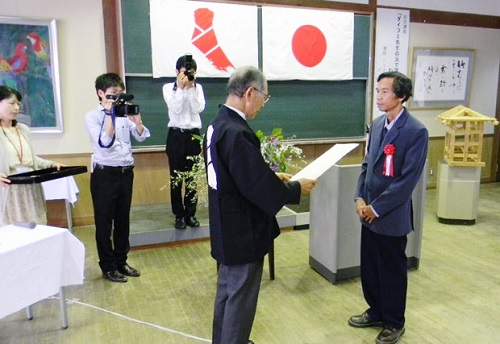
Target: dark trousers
236,302
180,145
112,197
384,276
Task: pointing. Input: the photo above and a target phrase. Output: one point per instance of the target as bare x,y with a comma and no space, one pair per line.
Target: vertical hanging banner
391,45
307,44
221,37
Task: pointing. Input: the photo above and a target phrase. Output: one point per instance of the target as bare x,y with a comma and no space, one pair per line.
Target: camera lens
189,75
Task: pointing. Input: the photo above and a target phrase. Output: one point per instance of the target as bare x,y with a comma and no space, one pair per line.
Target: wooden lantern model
464,136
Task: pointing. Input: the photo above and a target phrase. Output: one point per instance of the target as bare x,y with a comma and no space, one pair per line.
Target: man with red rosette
395,159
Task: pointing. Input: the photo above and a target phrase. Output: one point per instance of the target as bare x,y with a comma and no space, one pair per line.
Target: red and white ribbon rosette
390,151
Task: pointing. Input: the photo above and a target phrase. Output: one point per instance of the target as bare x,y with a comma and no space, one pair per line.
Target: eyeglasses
265,96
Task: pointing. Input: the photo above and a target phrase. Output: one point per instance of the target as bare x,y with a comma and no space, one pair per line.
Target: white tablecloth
36,263
62,188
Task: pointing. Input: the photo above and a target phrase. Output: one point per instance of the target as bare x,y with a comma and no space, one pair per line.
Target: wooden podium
335,229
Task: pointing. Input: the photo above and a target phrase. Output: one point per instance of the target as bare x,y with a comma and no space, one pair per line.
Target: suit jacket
247,196
391,196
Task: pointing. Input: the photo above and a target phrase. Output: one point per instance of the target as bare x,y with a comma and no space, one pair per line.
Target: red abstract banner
221,37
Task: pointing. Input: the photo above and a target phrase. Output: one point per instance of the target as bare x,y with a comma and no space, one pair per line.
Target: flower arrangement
281,156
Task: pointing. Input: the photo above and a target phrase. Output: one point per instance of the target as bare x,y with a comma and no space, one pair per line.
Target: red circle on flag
309,45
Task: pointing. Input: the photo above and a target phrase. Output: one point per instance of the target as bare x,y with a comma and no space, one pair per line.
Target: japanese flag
307,44
221,37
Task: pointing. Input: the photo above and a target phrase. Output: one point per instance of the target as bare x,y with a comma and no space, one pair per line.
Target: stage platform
154,224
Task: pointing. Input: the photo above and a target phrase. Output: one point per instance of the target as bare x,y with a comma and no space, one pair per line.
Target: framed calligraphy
441,77
29,63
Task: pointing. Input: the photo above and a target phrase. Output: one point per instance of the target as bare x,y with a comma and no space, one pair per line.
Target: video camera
188,64
122,107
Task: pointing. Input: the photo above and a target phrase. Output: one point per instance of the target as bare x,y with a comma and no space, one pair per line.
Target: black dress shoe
389,335
250,342
180,223
127,270
114,276
191,221
363,320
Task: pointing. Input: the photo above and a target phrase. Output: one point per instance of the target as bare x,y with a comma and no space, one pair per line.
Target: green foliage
281,156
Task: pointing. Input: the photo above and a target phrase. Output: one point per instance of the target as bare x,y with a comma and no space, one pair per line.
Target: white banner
221,37
391,45
307,44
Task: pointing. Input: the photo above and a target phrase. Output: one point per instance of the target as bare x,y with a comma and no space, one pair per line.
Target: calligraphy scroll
441,77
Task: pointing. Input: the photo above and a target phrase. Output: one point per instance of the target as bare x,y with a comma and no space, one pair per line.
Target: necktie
384,132
205,40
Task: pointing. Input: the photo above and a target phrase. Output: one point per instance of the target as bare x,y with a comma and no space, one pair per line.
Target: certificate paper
319,166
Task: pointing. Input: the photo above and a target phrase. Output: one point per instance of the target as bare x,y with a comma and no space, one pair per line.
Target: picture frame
29,63
441,77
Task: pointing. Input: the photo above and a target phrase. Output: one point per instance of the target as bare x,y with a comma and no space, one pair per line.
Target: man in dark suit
244,197
395,159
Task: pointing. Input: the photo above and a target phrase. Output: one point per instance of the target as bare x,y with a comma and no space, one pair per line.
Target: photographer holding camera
110,127
185,101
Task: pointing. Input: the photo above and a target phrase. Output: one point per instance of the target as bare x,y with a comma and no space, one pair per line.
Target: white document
319,166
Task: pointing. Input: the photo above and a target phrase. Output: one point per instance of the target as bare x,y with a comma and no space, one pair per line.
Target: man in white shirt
112,179
185,101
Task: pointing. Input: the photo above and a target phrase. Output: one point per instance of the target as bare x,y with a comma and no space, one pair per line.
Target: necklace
19,153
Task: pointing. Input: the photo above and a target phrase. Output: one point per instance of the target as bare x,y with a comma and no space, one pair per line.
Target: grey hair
243,78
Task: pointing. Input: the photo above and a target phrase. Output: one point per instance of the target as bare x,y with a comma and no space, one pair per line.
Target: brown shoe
389,335
363,320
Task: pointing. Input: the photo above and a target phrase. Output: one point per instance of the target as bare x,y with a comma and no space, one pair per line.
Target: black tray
40,176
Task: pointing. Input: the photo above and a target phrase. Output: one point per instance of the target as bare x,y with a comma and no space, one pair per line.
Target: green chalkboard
311,115
307,110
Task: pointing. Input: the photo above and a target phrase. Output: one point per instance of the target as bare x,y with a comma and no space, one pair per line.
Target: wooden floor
453,297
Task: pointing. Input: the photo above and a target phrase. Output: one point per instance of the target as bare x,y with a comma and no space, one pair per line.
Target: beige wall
151,174
486,7
81,59
486,43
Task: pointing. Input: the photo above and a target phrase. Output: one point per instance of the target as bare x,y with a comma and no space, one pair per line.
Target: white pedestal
458,193
335,229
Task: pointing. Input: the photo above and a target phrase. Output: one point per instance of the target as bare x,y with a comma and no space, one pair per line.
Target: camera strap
113,117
